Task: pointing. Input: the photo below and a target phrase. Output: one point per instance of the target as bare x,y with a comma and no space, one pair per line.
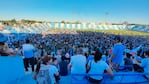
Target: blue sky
133,11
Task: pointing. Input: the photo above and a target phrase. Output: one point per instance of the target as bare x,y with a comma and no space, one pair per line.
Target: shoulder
115,46
83,56
23,45
73,57
145,60
102,62
90,61
52,66
30,45
44,67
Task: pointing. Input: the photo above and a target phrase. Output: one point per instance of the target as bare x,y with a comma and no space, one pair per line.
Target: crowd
82,52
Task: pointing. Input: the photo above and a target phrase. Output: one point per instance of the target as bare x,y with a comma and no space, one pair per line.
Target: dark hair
86,55
128,55
79,51
106,53
63,58
98,56
117,38
93,53
147,52
27,41
139,52
44,61
53,59
2,43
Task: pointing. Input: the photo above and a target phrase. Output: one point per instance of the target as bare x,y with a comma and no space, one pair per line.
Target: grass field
121,32
117,32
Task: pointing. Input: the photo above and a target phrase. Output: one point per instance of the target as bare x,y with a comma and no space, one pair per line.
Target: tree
125,22
13,21
63,21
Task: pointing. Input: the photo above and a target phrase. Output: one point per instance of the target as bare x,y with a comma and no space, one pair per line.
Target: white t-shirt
97,68
145,65
28,50
78,63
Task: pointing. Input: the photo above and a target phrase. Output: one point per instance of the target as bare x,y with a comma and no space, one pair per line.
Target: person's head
79,51
98,56
54,61
128,55
2,45
46,59
93,53
27,41
3,40
67,55
58,52
86,55
106,53
63,58
139,52
146,53
117,39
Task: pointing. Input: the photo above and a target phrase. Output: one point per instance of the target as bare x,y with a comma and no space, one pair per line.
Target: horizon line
66,21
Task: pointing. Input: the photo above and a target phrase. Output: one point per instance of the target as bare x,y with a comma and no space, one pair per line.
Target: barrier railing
11,69
121,77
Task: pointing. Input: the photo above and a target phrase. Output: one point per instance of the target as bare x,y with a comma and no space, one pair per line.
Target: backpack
43,77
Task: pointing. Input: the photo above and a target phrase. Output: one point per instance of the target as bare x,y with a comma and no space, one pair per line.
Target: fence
119,77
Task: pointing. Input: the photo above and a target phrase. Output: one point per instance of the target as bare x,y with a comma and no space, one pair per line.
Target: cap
3,38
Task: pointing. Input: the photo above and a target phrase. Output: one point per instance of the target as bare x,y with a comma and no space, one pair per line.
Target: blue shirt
145,65
118,51
90,57
97,68
28,50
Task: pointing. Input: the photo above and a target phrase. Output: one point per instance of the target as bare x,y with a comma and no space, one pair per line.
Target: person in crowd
91,57
45,72
144,63
58,56
38,53
128,62
67,57
97,66
42,71
55,62
117,54
28,52
4,49
105,56
70,51
63,66
138,58
78,63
